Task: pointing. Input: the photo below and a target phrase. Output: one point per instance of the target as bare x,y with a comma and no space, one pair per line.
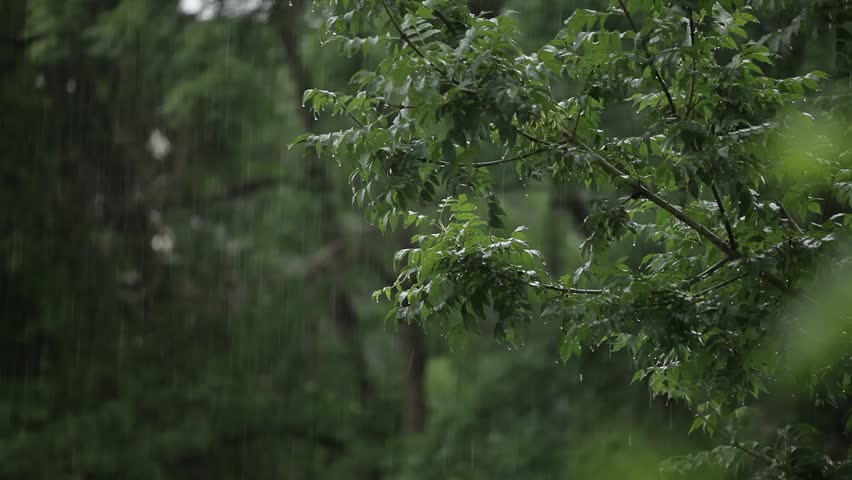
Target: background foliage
183,295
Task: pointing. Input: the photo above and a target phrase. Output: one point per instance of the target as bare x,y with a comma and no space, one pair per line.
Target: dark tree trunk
414,393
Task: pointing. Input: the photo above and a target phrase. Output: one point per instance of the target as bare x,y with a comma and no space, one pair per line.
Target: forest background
183,295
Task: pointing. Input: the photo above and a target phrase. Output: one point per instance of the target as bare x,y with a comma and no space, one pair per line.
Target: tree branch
724,215
535,139
690,296
405,38
559,288
665,204
757,455
393,105
578,291
650,59
491,163
694,70
791,219
640,188
731,252
355,119
710,271
720,285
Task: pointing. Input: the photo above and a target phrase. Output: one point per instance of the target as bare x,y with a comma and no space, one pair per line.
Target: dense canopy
730,210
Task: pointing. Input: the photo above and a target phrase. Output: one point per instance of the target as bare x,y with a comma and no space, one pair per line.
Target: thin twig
491,163
534,139
710,271
724,215
753,453
405,38
792,220
580,111
650,59
720,285
580,291
694,70
402,34
686,296
355,119
393,105
562,289
757,455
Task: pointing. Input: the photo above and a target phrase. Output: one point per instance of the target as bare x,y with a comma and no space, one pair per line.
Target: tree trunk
414,393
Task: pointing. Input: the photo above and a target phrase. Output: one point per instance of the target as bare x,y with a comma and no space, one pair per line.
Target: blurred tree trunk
414,394
565,201
287,18
411,336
